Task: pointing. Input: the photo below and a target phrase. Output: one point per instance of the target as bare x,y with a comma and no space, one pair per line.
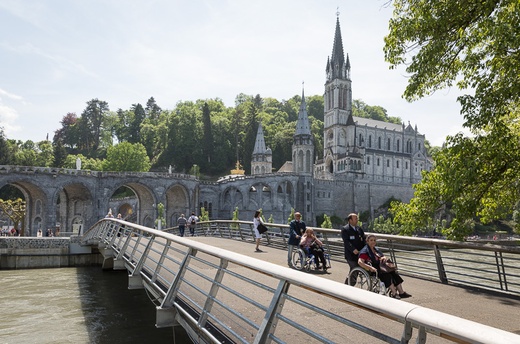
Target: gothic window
369,141
397,162
368,160
379,142
398,143
388,144
377,161
418,146
388,163
407,165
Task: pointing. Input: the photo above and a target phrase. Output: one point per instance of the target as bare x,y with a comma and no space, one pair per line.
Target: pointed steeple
302,125
338,57
262,158
260,141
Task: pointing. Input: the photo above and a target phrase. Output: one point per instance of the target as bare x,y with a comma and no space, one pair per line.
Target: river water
77,305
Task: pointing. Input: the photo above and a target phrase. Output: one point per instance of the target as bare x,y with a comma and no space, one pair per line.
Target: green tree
327,223
90,126
60,154
126,156
207,140
475,46
45,156
68,134
6,157
160,216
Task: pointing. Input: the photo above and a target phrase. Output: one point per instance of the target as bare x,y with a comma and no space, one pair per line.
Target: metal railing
486,266
223,297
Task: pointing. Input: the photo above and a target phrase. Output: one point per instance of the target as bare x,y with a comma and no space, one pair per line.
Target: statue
78,164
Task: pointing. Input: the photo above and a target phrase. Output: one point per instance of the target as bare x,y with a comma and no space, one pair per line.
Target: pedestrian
353,241
256,221
296,229
181,222
192,223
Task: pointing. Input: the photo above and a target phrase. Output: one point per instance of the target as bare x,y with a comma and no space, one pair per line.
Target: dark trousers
181,230
352,264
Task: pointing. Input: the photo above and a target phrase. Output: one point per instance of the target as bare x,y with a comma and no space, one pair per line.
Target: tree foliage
475,46
126,156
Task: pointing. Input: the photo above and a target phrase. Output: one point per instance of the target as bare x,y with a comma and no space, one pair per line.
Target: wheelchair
366,280
303,260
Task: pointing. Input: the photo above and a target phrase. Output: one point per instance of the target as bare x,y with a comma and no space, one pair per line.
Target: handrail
446,261
221,296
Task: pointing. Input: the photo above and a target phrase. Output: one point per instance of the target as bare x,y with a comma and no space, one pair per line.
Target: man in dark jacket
353,241
297,228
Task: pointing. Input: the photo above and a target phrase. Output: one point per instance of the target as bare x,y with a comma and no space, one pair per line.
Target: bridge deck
489,308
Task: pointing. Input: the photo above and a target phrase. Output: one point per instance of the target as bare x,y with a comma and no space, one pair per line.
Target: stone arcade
365,162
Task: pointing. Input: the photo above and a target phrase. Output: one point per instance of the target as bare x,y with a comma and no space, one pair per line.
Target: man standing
181,222
192,222
353,241
297,228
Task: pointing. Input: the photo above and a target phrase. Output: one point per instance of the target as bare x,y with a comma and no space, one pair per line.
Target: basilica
365,162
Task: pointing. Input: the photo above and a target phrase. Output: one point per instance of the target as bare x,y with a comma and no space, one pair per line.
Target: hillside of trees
204,133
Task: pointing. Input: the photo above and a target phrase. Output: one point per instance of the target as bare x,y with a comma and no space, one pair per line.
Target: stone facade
364,163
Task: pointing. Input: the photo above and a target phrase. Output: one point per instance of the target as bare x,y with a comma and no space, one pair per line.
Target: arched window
379,142
388,144
398,143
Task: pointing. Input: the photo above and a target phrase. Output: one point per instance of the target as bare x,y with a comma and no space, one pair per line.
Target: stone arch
32,193
232,197
145,205
177,203
260,196
73,200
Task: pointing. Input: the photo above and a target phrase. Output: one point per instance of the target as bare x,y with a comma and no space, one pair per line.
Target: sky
55,55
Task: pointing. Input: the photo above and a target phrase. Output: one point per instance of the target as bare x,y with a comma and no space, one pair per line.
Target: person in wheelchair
311,244
370,259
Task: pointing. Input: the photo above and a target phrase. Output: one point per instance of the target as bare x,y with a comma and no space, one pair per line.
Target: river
77,305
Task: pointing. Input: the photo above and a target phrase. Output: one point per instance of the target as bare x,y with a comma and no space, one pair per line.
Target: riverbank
46,252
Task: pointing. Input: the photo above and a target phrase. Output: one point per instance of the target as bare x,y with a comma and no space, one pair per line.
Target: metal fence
487,266
223,297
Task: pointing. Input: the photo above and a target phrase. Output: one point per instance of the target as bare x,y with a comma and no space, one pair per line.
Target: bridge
215,287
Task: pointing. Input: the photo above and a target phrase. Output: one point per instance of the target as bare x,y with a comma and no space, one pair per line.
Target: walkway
492,309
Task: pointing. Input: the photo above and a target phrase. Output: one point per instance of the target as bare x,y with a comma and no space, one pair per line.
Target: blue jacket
353,239
297,228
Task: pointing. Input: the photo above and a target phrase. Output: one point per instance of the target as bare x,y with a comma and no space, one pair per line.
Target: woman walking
258,236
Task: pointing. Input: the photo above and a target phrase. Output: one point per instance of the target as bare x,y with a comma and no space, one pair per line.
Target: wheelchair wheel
360,278
298,259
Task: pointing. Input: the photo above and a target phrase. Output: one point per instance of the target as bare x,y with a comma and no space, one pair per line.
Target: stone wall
31,253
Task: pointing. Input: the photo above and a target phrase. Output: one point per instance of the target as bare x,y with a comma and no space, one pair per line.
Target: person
353,241
296,229
119,216
192,222
370,258
39,234
256,221
311,244
181,222
109,214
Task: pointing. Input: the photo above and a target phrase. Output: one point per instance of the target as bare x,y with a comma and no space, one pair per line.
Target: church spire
260,141
302,125
338,56
262,157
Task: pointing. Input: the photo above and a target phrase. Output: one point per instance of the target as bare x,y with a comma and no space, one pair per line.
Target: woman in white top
258,236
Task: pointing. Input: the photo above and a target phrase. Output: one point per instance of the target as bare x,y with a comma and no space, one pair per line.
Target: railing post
269,323
135,281
440,266
212,293
501,270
